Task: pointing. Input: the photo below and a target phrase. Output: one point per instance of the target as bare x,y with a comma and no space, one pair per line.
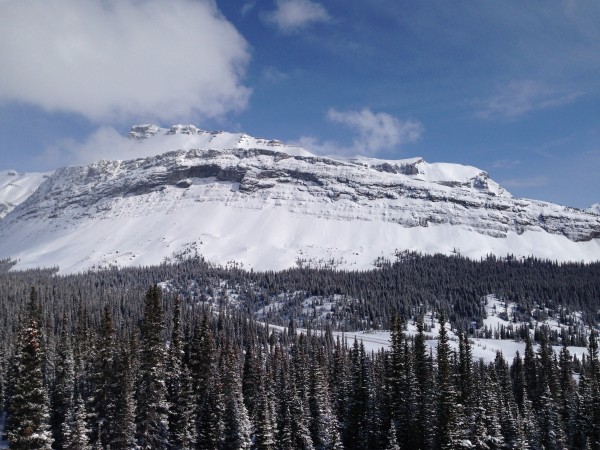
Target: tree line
182,374
412,285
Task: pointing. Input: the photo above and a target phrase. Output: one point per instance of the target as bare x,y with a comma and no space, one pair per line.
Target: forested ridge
108,359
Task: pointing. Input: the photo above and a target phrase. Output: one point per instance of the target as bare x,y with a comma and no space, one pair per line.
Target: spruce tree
62,398
446,423
102,382
323,424
210,426
182,411
357,429
237,425
264,423
76,431
422,420
123,435
152,407
29,426
392,441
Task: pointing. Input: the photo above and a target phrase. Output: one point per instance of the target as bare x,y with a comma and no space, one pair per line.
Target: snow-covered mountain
15,187
266,205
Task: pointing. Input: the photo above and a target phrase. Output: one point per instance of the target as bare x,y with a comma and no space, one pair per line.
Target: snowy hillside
15,187
267,205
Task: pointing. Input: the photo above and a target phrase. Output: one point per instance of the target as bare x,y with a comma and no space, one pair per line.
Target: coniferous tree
210,427
62,398
446,420
465,370
251,378
102,382
531,430
518,380
339,382
282,390
152,408
76,431
323,424
237,425
396,368
123,435
203,356
422,422
182,412
392,441
567,387
489,402
29,425
357,430
264,411
551,432
591,394
530,370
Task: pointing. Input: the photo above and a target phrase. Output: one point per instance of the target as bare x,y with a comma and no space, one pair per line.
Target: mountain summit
263,204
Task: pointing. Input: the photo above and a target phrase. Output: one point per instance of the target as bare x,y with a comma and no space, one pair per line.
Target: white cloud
520,97
377,131
292,15
105,143
316,146
120,59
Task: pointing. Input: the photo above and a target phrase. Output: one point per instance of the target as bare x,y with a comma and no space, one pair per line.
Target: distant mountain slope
15,187
267,205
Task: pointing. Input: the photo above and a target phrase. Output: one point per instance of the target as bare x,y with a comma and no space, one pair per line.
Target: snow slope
16,187
267,205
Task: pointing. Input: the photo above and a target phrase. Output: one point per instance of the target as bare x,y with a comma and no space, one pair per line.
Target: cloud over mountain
113,60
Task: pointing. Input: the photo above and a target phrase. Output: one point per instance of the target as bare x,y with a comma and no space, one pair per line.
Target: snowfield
16,187
482,349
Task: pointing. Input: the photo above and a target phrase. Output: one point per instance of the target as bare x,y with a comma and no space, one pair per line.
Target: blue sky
511,87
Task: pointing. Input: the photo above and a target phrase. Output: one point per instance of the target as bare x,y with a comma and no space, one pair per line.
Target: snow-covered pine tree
251,378
182,412
238,428
29,407
102,383
552,436
422,417
62,400
392,441
264,422
339,382
123,435
530,370
210,427
517,376
152,407
357,428
323,423
76,434
446,418
282,390
591,394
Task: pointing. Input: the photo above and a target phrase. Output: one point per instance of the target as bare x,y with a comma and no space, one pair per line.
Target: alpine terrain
263,204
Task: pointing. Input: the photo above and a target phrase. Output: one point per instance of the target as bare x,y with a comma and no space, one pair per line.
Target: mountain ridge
269,205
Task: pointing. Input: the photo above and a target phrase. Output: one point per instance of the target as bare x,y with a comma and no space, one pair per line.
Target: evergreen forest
183,356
